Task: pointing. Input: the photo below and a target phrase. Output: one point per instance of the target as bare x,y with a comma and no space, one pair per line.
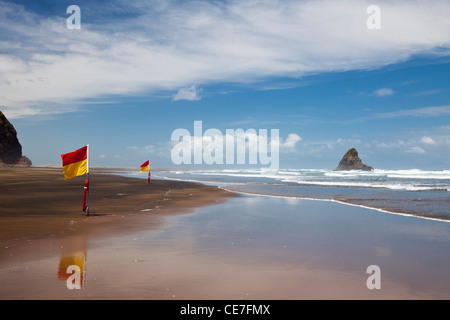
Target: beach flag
146,167
75,163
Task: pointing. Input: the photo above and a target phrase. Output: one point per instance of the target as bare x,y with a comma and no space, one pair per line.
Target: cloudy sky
135,71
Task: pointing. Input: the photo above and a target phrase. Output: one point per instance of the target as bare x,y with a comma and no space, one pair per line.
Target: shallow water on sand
416,192
252,247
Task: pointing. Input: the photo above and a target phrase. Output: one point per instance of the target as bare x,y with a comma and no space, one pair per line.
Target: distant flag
146,167
76,163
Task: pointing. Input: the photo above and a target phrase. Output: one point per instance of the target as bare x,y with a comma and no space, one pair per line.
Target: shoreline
404,214
430,204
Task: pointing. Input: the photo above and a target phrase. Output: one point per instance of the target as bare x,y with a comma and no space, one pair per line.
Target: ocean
415,192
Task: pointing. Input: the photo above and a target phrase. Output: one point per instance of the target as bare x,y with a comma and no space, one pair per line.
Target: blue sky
138,70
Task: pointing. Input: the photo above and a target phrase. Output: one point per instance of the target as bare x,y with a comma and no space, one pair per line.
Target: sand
38,204
38,201
172,240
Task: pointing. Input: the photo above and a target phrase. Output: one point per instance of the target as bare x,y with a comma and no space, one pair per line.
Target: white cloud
434,111
170,45
417,150
428,140
426,93
160,150
251,139
350,142
291,140
191,93
383,92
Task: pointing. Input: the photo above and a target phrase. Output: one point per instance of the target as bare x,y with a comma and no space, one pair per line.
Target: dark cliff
10,147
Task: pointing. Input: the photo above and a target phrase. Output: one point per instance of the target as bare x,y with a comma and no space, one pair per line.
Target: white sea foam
409,180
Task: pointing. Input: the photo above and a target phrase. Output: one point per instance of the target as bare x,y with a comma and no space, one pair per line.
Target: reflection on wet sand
246,248
72,265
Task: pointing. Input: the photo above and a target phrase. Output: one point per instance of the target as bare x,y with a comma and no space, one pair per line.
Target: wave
409,180
408,187
406,174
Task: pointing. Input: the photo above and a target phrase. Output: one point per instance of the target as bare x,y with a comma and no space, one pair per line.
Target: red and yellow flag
75,163
145,166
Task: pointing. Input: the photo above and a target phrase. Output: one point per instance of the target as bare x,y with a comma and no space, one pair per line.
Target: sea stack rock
351,161
10,147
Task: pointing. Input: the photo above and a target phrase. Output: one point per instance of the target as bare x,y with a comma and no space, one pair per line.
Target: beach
41,213
171,240
45,203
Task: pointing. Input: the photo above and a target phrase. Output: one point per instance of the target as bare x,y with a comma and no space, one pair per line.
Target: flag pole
87,200
86,185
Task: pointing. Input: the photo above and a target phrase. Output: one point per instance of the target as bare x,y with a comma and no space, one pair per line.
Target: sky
328,75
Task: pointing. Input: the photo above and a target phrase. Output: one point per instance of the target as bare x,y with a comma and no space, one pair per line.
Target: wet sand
37,204
140,245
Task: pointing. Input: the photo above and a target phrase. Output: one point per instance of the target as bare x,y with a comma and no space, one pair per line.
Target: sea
420,193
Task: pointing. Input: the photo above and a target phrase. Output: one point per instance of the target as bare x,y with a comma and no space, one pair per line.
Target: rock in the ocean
10,147
351,161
